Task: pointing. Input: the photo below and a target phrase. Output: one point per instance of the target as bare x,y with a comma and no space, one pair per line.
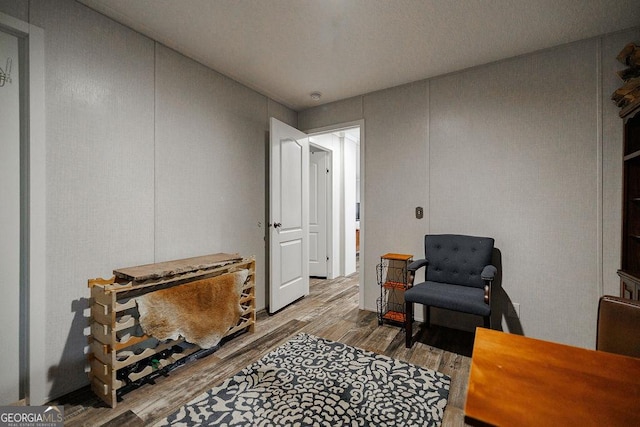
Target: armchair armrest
417,264
412,268
488,273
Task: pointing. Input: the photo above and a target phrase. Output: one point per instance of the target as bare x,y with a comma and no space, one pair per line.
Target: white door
9,220
288,215
318,177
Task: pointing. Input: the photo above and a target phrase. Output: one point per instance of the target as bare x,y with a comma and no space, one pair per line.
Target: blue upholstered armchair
458,277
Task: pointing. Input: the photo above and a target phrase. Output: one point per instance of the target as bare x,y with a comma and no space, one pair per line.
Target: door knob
277,224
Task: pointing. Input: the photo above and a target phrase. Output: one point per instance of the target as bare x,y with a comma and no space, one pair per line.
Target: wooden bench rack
120,353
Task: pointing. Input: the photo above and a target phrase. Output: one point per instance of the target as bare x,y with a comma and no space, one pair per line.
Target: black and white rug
311,381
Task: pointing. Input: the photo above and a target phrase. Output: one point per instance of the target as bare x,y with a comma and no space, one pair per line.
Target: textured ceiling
287,49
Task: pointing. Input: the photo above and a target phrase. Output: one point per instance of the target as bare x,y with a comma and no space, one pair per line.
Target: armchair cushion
453,297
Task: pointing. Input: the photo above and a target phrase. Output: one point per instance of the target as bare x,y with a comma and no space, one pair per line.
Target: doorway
289,236
342,143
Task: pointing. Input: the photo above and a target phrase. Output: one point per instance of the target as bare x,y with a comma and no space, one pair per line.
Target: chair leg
408,323
428,316
487,322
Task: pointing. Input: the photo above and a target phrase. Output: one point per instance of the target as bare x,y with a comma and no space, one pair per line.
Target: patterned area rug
311,381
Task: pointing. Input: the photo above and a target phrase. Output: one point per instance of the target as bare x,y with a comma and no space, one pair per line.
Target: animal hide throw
201,311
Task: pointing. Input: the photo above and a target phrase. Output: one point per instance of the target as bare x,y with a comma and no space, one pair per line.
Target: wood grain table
520,381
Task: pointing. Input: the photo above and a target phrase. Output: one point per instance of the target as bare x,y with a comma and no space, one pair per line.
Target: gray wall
150,156
526,150
16,8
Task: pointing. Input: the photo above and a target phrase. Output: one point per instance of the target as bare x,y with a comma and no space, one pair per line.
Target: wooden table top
520,381
398,257
178,266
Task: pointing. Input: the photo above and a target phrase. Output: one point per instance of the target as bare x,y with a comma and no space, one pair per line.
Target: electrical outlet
513,310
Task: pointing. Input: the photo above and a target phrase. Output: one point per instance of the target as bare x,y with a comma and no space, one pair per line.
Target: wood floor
330,311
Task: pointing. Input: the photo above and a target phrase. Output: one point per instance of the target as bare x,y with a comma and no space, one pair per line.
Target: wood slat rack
392,274
121,356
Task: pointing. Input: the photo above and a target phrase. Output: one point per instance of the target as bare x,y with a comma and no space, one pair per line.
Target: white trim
337,127
37,219
13,25
599,172
33,39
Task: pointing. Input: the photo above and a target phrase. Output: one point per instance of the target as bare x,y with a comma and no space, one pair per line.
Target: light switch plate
419,212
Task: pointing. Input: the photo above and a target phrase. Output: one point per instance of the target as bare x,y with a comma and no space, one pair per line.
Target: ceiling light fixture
316,96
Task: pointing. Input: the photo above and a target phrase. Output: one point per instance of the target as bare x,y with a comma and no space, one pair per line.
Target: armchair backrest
457,259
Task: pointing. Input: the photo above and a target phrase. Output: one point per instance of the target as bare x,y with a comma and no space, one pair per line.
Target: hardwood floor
330,311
